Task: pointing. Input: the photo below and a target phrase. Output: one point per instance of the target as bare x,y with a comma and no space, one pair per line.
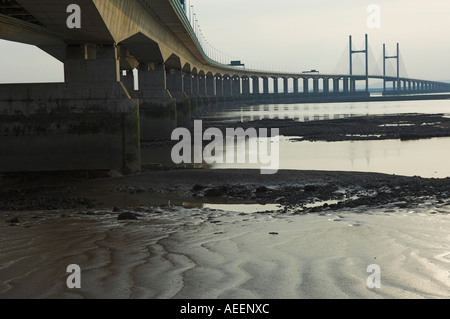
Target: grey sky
292,35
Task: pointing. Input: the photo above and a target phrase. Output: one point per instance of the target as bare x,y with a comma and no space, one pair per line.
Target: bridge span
97,118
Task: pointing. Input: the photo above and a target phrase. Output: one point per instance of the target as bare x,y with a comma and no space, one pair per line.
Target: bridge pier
128,80
275,85
255,81
236,86
285,85
195,85
245,85
175,86
202,86
345,84
296,85
210,85
265,85
158,112
352,85
222,84
305,85
336,86
316,85
188,84
326,83
227,86
91,122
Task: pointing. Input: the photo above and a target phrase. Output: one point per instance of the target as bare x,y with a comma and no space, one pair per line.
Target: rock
261,189
113,173
116,210
311,188
216,191
14,220
127,216
198,187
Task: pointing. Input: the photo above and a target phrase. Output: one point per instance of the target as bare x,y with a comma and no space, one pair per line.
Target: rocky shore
296,191
382,127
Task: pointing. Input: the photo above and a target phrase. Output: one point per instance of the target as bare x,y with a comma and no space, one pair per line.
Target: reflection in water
425,158
325,111
239,208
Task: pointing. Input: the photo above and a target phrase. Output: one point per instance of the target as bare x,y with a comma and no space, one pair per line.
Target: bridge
98,117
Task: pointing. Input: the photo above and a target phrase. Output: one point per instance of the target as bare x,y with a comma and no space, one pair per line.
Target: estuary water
425,158
326,111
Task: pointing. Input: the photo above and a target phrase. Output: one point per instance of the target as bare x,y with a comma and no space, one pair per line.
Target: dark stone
311,188
261,189
127,216
216,191
198,187
14,220
116,210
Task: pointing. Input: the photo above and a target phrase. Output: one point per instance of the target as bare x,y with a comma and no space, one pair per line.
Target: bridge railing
182,14
184,18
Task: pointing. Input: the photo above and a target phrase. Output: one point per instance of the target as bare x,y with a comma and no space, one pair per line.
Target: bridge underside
98,117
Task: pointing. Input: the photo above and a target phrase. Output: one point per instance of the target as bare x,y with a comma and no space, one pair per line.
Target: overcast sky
293,35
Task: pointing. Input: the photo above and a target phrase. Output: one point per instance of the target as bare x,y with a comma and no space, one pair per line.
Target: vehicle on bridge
311,71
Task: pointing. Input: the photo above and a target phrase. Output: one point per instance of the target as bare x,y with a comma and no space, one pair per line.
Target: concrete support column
326,85
275,85
336,85
92,63
245,85
236,86
295,85
210,85
285,86
227,86
352,85
305,86
195,85
345,80
152,80
316,85
175,83
255,84
202,87
265,85
187,82
220,85
128,80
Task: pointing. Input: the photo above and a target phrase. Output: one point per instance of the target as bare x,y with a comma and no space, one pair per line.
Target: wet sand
171,251
198,253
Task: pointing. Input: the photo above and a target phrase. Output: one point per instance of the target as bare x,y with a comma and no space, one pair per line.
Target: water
327,111
425,158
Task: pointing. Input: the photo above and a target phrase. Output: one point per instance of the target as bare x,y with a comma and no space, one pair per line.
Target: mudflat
326,230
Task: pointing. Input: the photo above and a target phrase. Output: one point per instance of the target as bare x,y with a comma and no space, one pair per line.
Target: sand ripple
202,253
